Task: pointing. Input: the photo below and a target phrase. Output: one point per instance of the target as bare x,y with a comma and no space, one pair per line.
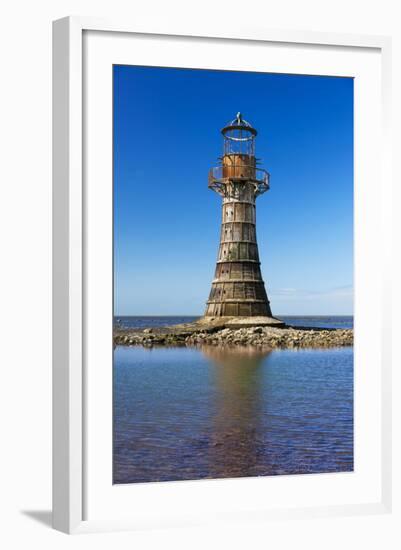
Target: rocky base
201,333
270,337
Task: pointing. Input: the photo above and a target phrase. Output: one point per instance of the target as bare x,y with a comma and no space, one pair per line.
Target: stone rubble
269,337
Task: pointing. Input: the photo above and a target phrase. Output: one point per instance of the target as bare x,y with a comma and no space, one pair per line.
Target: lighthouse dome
239,129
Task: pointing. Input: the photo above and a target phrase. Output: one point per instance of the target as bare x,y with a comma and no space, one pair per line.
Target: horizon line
278,315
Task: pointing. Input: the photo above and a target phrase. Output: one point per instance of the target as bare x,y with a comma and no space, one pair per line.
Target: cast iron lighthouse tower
238,289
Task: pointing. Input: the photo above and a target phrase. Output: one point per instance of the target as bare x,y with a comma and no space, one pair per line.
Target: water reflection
238,408
184,413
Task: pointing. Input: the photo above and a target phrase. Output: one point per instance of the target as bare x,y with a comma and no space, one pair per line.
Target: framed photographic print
220,207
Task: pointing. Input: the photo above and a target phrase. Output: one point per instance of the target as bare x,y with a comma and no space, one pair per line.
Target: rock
266,336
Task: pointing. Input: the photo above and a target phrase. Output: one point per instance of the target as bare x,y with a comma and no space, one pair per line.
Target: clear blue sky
166,221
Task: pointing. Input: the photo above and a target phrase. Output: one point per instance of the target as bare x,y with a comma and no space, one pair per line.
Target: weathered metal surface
238,289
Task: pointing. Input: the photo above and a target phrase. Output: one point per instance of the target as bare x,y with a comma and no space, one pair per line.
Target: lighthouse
238,289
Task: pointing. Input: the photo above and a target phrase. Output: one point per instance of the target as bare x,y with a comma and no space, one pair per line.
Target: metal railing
220,175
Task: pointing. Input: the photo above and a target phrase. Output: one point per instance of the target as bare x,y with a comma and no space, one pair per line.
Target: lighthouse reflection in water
184,413
234,442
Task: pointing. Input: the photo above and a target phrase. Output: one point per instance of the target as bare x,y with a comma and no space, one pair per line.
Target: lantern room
239,137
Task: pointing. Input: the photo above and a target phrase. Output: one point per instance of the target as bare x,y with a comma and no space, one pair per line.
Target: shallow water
182,413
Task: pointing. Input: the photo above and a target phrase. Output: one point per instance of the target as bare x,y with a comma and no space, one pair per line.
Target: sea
185,413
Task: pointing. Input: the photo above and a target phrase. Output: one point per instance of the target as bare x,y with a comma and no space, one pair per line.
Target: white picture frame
70,257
